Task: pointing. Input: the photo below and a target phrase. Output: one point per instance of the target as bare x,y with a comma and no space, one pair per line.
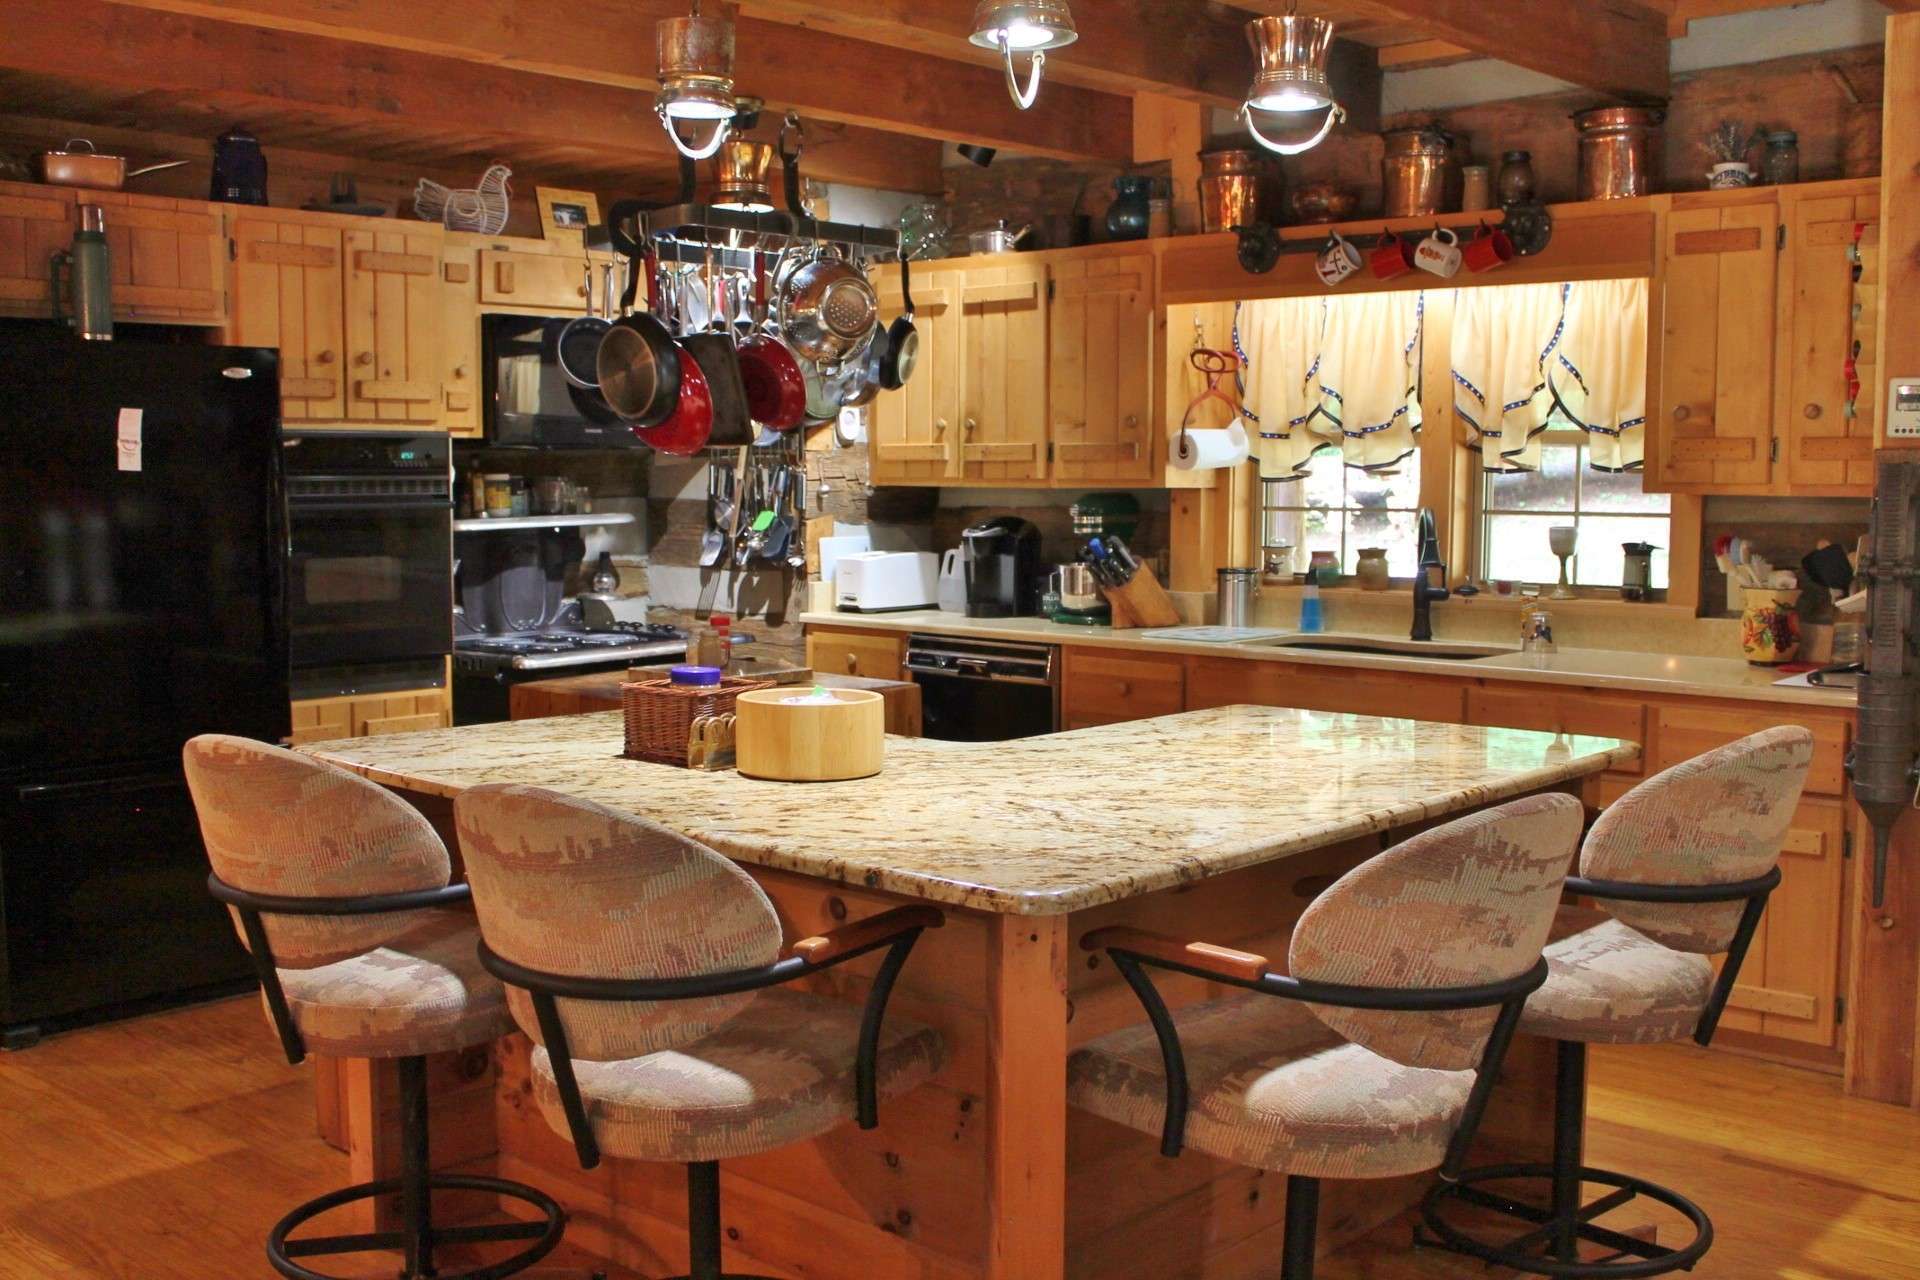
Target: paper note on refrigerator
128,444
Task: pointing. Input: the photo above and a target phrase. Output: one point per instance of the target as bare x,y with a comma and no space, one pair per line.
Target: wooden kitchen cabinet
460,337
393,326
538,281
1003,380
1548,709
1100,369
1826,450
1226,682
913,434
1685,731
365,715
875,655
1711,420
287,283
36,222
169,257
1108,686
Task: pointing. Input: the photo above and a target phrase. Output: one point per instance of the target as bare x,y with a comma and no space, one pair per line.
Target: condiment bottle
723,629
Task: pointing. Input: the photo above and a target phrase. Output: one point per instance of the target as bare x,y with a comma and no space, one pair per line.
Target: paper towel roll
1209,450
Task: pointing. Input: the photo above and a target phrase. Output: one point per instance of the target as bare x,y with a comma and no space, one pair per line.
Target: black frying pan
638,363
897,347
577,350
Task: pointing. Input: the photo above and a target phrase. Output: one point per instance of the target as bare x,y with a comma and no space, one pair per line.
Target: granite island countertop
1622,670
1040,826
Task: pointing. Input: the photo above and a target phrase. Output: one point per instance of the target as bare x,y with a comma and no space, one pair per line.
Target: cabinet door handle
940,426
1812,412
364,359
1681,413
1126,689
323,357
460,371
852,662
972,425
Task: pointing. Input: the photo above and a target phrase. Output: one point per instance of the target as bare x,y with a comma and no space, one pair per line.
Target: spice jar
1371,571
499,494
520,497
1516,178
1781,163
1476,188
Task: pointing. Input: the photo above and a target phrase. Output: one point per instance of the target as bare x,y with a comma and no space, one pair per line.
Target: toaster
878,581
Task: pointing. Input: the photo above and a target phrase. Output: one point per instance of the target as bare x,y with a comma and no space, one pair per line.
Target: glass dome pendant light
696,79
1024,26
1292,78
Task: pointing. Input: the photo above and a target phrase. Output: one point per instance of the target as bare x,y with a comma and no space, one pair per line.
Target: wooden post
1883,1011
1173,129
1027,1098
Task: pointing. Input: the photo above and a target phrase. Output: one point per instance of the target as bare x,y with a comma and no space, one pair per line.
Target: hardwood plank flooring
165,1147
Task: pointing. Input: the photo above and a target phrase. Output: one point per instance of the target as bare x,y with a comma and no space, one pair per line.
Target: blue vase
1129,214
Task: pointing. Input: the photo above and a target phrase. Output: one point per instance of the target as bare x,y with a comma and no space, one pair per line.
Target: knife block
1143,602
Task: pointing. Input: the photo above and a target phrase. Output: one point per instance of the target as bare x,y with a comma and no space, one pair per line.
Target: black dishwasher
984,690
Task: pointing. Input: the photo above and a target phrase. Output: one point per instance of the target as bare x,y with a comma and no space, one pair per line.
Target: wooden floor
164,1148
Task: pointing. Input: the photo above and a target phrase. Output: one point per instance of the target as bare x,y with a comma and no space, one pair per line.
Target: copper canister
1619,151
1237,189
1419,172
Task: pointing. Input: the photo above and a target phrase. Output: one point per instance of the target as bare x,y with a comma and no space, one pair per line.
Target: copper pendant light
1024,26
1292,78
696,79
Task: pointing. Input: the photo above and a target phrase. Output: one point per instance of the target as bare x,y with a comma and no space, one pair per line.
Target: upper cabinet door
169,257
1715,407
913,434
1100,383
35,223
1003,322
1827,449
546,282
394,314
286,294
460,336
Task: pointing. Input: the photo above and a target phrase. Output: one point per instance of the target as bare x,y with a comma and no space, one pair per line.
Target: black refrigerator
142,601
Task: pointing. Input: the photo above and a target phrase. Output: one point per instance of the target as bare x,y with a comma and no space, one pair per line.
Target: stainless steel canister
1620,152
1419,172
1236,591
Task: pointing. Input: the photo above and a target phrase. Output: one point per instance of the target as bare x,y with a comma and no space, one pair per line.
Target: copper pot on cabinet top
1619,151
1419,172
1238,188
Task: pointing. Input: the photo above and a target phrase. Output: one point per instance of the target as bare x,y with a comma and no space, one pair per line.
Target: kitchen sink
1439,650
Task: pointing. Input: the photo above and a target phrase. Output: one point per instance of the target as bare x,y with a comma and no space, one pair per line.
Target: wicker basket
660,714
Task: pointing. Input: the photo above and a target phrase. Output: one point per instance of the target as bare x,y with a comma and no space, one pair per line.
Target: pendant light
696,79
1293,77
740,176
1024,26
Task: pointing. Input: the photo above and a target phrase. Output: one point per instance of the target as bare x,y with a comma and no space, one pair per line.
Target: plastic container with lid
695,677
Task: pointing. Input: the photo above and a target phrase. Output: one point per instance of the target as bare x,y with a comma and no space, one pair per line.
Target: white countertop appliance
880,581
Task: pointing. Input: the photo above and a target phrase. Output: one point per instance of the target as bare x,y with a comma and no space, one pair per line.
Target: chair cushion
424,992
779,1073
1273,1087
1607,983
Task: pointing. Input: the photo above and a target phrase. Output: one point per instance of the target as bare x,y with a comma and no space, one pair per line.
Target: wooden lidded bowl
834,740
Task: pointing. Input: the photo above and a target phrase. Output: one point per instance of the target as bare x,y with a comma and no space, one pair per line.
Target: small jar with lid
499,488
1371,571
520,497
1476,188
1780,166
1516,178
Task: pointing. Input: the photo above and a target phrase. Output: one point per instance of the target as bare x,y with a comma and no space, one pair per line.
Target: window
1341,509
1609,508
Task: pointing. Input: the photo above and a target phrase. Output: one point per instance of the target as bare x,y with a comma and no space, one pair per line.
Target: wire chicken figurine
482,208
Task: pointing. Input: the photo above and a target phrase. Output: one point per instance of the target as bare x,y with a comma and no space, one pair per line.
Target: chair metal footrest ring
1631,1256
544,1232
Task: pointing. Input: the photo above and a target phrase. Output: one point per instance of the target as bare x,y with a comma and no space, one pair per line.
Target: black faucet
1428,585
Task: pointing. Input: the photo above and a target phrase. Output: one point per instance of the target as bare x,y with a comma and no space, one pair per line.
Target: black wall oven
369,559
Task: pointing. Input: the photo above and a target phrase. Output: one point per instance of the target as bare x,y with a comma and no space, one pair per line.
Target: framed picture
566,215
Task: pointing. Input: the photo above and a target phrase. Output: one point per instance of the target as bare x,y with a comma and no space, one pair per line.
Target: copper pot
1235,189
1419,172
1619,151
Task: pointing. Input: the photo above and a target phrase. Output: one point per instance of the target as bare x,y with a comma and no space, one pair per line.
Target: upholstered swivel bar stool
364,950
648,969
1378,1056
1682,865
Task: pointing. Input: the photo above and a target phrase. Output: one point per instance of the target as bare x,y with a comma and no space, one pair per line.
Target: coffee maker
1002,559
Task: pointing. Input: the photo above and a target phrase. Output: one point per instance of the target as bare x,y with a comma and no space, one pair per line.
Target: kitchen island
1218,825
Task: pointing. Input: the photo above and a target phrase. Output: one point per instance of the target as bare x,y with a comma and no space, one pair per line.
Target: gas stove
558,648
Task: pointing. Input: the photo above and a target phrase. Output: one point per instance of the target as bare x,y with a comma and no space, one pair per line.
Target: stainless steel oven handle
296,504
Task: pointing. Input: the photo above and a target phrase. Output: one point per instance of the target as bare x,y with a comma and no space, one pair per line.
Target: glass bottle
1516,178
1780,165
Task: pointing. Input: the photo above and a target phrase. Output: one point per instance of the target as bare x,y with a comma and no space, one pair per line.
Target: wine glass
1562,539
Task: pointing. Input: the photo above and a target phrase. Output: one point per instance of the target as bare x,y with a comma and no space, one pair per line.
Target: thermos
87,292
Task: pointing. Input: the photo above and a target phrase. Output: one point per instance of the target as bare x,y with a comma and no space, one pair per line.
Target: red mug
1392,258
1491,249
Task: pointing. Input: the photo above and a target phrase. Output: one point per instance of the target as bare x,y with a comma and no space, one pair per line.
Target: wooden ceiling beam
1415,54
611,42
1614,47
105,43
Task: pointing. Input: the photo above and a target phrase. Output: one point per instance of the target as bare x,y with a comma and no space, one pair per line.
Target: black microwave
529,401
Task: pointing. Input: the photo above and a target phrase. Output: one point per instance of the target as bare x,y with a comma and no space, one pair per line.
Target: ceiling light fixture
696,79
1024,26
740,176
1293,77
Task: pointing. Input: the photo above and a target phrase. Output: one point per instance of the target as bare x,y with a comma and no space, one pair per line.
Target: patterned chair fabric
281,823
1718,818
1463,904
782,1073
566,886
421,993
1608,983
1308,1090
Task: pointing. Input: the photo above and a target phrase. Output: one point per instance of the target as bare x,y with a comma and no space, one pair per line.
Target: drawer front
557,283
1685,732
1791,978
1551,711
1106,688
1233,682
846,653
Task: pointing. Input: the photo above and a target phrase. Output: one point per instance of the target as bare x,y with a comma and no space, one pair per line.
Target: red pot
776,388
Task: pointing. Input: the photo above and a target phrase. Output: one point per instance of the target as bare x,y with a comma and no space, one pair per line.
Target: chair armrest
1633,891
448,895
1224,962
864,935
